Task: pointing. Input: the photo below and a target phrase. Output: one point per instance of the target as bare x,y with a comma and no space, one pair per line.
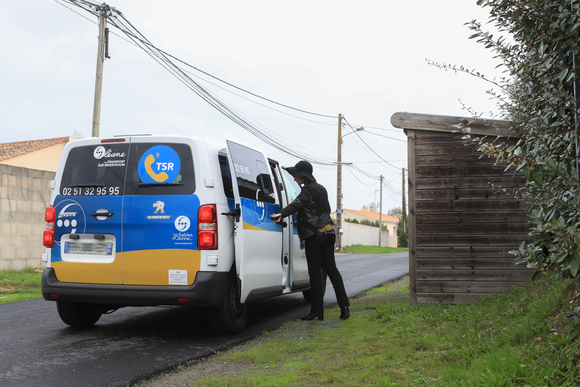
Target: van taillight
48,236
207,233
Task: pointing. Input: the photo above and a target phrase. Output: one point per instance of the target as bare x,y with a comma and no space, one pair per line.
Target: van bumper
206,291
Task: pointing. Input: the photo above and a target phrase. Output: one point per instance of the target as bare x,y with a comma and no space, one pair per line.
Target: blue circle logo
159,164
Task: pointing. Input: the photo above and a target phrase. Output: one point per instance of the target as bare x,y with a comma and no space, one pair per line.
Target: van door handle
235,213
107,214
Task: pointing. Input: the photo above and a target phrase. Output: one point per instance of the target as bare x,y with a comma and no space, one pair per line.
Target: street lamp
339,182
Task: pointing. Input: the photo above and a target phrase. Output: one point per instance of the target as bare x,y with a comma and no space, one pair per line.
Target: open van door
257,238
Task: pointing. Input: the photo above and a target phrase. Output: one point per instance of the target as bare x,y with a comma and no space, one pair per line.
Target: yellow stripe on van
89,272
146,267
151,267
248,226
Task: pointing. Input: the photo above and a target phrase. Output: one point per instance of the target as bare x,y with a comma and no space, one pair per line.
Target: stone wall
24,195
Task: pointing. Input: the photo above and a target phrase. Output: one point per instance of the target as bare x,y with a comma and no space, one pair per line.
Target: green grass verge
20,285
361,249
524,338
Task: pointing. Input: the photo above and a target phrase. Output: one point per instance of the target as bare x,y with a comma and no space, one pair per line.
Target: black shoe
312,316
344,313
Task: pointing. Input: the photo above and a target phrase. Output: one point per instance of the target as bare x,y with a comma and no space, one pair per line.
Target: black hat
302,169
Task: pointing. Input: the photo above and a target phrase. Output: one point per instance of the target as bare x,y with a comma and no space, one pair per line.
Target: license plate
95,248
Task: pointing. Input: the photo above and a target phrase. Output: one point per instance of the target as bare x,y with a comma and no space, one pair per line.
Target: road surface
37,349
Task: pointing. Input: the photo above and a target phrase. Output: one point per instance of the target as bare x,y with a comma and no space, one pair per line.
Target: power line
367,145
117,20
246,91
382,135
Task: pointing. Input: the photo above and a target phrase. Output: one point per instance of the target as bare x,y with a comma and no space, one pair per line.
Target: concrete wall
24,195
360,234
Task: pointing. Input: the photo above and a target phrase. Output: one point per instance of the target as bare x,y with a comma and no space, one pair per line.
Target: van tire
307,294
232,315
77,315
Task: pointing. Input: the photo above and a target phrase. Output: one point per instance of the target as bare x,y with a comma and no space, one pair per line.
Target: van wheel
307,294
232,315
77,315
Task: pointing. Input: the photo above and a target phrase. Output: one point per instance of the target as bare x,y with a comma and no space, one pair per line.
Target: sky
366,60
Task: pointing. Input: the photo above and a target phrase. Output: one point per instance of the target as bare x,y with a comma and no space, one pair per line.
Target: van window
225,171
95,170
160,169
136,169
292,187
254,181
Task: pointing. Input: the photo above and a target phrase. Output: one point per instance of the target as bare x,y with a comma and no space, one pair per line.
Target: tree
374,207
396,212
538,44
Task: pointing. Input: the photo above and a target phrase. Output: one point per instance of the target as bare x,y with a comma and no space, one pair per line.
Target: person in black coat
316,229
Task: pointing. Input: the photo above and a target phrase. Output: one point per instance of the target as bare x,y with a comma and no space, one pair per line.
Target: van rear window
128,169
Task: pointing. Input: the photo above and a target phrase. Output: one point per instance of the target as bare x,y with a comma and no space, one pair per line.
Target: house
37,154
359,234
26,169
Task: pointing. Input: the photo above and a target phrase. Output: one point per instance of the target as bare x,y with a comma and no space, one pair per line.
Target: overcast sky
363,59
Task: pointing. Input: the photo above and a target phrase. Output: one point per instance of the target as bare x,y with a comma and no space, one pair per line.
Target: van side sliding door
258,240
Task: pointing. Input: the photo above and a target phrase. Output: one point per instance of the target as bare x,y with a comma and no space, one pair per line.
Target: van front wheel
77,315
232,315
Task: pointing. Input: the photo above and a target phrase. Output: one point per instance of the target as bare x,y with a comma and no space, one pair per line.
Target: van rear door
89,211
160,214
258,240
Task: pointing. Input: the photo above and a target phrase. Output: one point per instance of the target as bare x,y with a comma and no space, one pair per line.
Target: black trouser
320,254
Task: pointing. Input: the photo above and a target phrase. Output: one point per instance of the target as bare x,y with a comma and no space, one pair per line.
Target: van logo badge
159,205
70,219
159,164
101,152
159,210
182,223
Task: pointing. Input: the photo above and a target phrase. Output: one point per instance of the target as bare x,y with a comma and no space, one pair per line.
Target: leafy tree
396,212
374,207
538,43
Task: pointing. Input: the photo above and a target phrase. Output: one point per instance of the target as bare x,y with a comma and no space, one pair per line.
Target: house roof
374,215
13,149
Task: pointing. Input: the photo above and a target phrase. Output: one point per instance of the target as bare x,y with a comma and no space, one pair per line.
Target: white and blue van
167,220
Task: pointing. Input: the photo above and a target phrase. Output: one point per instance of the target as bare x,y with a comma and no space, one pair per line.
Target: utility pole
381,213
403,209
101,55
339,186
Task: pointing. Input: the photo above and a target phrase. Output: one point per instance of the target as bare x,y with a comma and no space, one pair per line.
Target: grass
361,249
20,285
524,338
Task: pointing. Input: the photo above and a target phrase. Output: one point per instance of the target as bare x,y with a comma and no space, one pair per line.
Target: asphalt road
37,349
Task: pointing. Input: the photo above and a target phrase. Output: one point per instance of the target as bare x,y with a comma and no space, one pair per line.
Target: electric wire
117,20
246,91
368,185
367,145
382,135
161,57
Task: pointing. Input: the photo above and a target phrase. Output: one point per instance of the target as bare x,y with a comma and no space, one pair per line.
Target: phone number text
90,191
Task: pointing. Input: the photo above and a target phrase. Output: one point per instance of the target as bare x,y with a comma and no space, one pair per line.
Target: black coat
312,207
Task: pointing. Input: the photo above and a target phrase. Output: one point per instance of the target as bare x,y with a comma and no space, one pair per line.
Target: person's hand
277,217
